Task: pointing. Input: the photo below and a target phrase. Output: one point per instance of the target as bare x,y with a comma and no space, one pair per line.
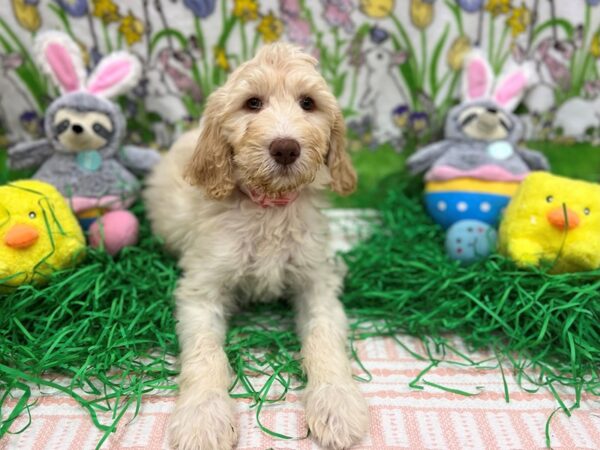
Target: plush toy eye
586,211
254,104
32,215
549,199
307,104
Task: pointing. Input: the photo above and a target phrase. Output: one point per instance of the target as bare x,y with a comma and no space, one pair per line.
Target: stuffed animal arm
29,155
138,159
535,160
422,160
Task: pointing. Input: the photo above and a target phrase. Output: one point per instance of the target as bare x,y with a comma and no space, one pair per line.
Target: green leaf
433,69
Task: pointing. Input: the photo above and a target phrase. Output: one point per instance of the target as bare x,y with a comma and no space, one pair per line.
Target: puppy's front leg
204,417
336,412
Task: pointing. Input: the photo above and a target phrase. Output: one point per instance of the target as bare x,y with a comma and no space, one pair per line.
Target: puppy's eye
586,211
32,215
254,104
307,104
549,199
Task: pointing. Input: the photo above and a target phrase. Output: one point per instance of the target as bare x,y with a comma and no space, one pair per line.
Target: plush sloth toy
82,155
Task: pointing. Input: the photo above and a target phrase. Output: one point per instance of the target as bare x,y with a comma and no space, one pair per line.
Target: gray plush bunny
472,173
82,155
482,134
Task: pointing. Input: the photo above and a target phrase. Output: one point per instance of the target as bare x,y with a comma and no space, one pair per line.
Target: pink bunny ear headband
60,57
478,83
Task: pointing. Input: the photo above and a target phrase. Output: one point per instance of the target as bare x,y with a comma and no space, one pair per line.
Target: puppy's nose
284,151
77,129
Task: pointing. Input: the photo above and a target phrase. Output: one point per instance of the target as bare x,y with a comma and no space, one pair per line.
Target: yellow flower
377,9
497,7
106,10
27,15
595,46
421,13
456,54
519,20
270,28
221,58
131,28
246,10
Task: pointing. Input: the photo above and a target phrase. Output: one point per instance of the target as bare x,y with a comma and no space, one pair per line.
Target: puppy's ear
211,166
343,175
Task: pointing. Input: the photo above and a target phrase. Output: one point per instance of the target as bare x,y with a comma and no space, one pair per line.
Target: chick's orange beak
559,219
21,236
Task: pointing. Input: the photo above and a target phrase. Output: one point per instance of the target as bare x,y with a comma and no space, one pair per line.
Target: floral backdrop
394,64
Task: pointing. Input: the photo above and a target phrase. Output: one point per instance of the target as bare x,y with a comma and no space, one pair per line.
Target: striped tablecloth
401,417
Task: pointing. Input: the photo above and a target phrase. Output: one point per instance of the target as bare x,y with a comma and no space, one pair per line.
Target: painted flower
270,28
246,10
378,35
290,7
377,9
457,52
131,28
27,14
400,115
595,45
337,13
74,8
421,13
32,123
106,10
298,30
519,20
221,58
419,121
497,7
201,8
470,6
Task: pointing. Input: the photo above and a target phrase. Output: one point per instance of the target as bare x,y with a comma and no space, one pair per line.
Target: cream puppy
238,202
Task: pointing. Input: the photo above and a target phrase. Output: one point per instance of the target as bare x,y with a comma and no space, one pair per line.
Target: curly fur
233,250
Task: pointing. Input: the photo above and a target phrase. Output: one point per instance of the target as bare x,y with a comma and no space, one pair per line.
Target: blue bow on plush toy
472,173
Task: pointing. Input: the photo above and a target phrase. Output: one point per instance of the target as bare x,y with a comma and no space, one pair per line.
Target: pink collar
264,201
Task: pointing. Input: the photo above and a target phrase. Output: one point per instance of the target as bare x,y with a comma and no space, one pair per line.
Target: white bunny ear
477,77
114,75
511,87
60,57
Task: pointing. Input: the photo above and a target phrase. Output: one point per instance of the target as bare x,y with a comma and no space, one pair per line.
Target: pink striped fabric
401,417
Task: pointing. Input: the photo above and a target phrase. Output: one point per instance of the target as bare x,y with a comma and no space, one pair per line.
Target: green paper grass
109,325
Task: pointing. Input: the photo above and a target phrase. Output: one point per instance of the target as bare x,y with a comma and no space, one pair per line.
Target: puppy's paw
204,422
337,415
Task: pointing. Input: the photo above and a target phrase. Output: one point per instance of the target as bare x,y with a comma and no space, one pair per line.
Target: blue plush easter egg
469,241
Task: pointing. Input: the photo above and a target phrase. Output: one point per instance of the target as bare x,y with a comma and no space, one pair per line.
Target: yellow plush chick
554,220
38,233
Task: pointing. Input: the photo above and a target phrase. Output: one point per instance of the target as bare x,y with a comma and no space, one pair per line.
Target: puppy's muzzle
284,151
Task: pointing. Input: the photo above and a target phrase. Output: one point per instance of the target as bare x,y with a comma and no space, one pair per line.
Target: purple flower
593,2
419,121
400,115
290,7
201,8
471,6
74,8
298,30
337,14
378,35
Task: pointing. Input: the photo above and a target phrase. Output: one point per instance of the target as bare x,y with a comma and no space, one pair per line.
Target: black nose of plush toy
77,129
284,151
